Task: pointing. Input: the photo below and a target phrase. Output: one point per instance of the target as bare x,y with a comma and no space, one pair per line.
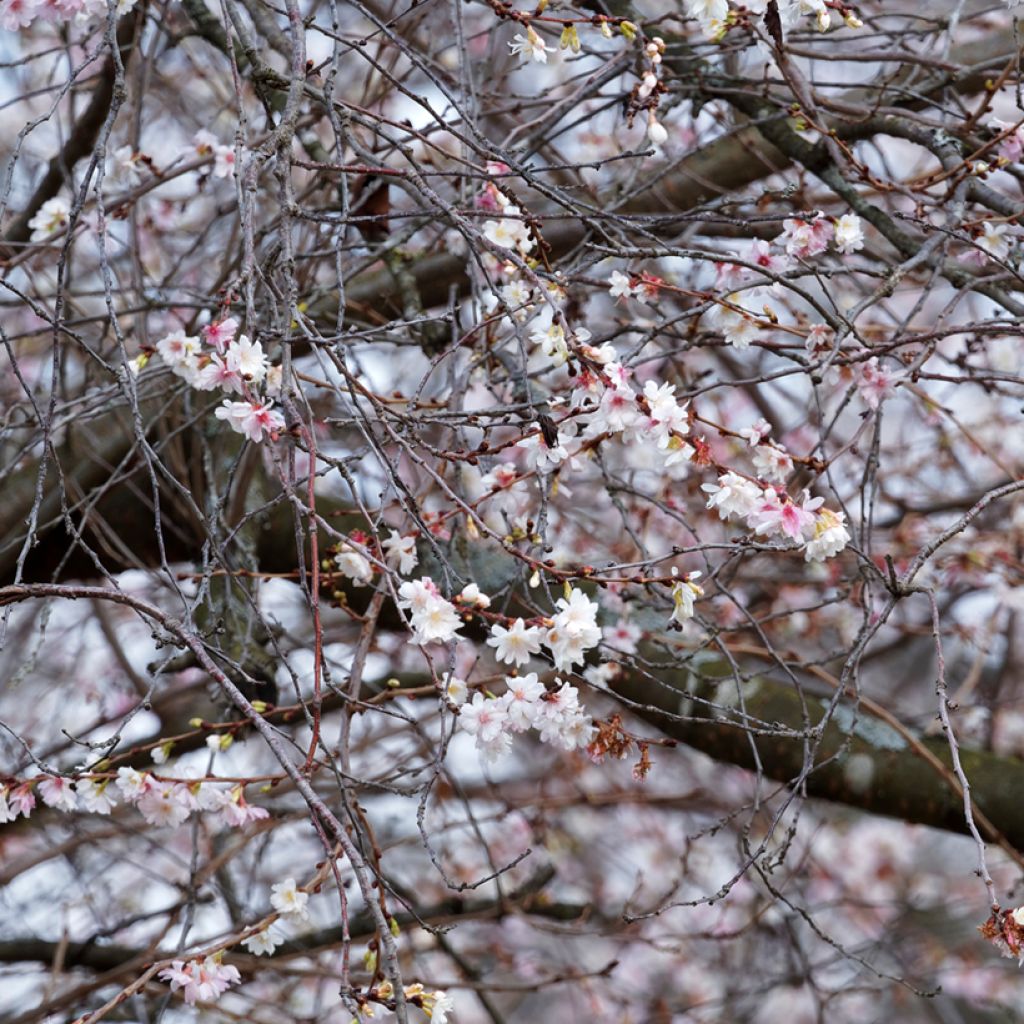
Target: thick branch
860,761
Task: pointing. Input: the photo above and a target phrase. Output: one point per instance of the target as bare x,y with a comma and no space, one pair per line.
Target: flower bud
656,131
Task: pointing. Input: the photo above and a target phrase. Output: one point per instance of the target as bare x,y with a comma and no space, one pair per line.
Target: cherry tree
511,513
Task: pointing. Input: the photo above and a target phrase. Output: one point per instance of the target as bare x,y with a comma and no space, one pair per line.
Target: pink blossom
254,419
58,792
206,979
1012,147
806,238
217,374
875,383
166,804
238,812
762,256
223,161
220,333
15,14
780,514
483,718
729,276
22,799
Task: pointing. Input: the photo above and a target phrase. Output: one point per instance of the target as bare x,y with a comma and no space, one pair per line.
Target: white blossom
531,45
734,496
516,644
51,217
287,899
261,943
849,234
829,536
353,564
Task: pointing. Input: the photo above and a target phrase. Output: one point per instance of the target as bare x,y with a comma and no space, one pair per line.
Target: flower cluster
742,313
648,89
230,364
433,618
526,704
350,560
510,231
770,512
571,632
206,979
1005,930
609,407
875,383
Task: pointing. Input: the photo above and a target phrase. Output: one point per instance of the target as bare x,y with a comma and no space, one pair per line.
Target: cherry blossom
261,943
621,285
166,803
656,131
806,238
710,13
132,783
780,514
204,980
522,700
457,690
772,462
236,811
53,216
735,322
400,552
531,45
684,593
96,795
516,644
541,457
994,241
829,537
218,374
16,14
246,358
254,419
623,635
509,232
483,717
849,234
56,791
353,564
561,721
433,619
734,496
472,596
287,899
875,383
221,333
